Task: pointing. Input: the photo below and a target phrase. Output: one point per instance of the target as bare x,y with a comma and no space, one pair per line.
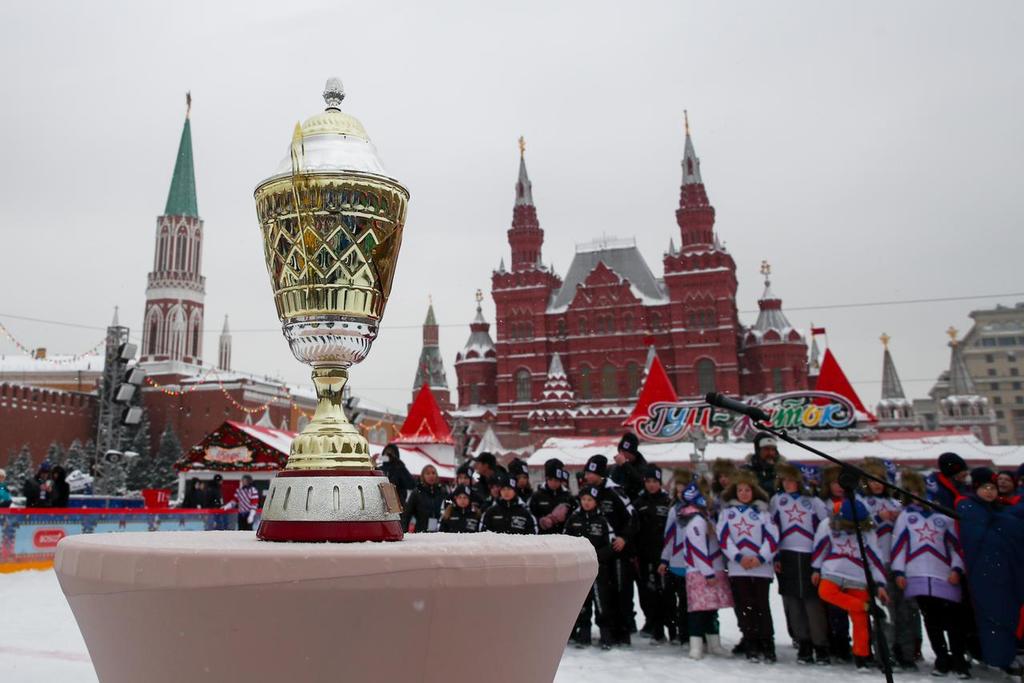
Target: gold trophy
332,224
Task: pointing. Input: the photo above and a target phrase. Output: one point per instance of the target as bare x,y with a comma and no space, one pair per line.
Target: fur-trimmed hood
745,477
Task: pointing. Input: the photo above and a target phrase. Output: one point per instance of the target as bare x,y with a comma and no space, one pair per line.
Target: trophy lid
334,141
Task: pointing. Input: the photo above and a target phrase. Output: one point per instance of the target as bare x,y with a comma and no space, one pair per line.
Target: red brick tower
520,297
172,329
774,356
476,365
701,283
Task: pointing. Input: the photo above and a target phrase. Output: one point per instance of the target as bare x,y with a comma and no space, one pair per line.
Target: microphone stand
848,478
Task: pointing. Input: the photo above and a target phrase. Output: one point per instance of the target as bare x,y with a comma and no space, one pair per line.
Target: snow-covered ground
40,642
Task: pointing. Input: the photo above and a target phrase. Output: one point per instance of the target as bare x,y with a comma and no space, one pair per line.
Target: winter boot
942,665
657,634
821,656
863,664
624,638
962,669
715,645
768,651
607,640
752,649
804,653
696,647
740,647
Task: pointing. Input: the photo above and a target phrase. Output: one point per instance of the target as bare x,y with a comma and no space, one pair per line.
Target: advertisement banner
29,537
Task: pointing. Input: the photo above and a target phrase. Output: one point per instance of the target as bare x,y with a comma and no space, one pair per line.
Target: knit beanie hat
951,464
693,496
652,472
981,476
598,464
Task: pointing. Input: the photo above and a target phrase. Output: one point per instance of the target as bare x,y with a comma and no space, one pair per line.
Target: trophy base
330,506
329,532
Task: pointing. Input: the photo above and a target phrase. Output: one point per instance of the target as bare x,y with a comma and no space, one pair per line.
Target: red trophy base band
328,532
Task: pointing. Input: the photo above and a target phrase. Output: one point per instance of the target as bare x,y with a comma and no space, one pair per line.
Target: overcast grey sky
869,150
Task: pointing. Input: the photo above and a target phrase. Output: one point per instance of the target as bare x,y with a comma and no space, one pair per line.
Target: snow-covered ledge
220,605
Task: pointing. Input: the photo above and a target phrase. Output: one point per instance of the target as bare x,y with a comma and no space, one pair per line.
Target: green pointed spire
181,200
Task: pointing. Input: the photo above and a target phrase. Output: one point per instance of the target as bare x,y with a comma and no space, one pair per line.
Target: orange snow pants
854,601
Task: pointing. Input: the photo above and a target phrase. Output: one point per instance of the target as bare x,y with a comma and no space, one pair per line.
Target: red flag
657,387
832,378
817,330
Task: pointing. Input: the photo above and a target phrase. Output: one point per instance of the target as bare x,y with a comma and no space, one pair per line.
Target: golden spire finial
479,296
430,299
188,103
686,122
766,270
952,332
522,146
885,340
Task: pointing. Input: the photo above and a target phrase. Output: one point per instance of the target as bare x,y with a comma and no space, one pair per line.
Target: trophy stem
330,441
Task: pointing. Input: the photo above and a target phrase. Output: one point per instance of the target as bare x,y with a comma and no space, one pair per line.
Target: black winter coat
424,505
508,518
630,476
545,500
398,474
595,528
617,509
651,514
456,520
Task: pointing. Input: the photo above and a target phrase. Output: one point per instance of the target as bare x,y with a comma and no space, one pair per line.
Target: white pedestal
222,606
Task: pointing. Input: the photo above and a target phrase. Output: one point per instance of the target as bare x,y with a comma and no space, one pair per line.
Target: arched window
583,325
655,321
777,384
474,393
151,342
161,259
524,390
181,247
586,390
633,378
627,323
705,376
561,328
197,250
609,381
176,334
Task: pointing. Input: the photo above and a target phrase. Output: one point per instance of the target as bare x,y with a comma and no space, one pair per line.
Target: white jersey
925,544
748,531
883,528
797,517
837,554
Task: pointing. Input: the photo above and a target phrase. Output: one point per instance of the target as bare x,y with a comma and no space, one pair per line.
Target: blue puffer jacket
992,537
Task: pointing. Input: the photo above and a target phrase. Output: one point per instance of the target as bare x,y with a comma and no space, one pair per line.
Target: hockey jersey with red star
797,517
837,555
748,530
883,527
925,544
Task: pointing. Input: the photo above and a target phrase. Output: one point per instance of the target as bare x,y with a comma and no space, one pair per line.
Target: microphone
734,406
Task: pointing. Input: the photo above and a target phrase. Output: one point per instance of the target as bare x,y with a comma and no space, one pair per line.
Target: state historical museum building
570,355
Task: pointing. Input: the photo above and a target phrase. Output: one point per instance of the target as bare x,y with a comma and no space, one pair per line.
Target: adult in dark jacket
460,517
508,514
616,508
396,472
951,480
211,493
485,466
629,466
423,508
762,463
60,492
652,508
552,503
992,537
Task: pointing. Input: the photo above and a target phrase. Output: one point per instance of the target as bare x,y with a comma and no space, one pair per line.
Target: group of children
708,544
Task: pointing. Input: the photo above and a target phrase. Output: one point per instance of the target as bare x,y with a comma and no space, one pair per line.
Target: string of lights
56,359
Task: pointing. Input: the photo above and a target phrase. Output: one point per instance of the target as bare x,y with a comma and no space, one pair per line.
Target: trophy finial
885,340
952,332
334,93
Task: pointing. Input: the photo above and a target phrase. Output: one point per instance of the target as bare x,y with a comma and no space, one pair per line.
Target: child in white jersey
840,572
749,539
797,514
928,567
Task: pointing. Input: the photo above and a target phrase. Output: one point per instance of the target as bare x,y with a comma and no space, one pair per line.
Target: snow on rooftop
88,363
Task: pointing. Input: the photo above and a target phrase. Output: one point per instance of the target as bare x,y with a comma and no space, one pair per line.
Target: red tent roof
239,446
425,423
832,378
657,387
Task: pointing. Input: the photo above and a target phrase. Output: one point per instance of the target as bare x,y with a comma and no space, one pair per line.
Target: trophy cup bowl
332,222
